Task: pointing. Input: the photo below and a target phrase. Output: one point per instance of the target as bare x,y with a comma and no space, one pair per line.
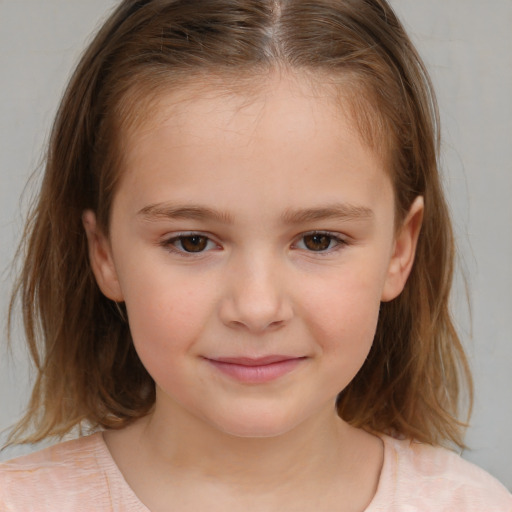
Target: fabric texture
80,476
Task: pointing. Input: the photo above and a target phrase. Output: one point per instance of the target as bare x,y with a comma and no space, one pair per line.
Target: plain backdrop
467,46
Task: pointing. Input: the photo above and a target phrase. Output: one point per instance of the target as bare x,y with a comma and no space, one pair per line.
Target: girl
238,269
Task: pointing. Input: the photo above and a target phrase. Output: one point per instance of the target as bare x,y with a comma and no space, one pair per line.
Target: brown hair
87,369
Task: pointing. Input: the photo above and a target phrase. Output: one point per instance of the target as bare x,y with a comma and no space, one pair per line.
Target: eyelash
339,242
170,243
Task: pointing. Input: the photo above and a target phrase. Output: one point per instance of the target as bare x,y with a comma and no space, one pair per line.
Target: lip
256,370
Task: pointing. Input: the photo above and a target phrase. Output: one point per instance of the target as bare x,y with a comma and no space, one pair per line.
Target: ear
404,250
100,256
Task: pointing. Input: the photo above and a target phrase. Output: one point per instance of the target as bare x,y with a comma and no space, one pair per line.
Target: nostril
257,305
262,327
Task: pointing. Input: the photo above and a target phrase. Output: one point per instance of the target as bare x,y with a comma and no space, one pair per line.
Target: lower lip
257,374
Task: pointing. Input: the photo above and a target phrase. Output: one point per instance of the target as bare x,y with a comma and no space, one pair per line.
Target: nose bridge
255,295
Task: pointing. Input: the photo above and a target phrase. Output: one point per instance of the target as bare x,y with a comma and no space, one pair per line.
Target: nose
255,297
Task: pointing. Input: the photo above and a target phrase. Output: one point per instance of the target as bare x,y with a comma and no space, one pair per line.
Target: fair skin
252,239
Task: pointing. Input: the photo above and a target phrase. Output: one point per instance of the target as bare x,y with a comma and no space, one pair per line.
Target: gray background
467,45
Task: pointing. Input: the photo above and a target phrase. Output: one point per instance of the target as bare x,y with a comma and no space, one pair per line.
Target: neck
324,448
322,456
189,444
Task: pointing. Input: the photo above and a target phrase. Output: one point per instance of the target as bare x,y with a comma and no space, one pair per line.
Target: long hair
87,369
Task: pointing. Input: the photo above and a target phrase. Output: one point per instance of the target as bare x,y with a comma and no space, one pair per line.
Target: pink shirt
80,476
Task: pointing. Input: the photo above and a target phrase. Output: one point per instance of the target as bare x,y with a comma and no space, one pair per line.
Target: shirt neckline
121,492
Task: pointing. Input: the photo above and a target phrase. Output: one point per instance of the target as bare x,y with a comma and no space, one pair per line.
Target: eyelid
167,243
341,241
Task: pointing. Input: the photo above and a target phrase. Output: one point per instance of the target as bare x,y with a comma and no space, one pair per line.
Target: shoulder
425,477
65,475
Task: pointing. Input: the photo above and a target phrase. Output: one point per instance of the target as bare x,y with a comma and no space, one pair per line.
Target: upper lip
254,361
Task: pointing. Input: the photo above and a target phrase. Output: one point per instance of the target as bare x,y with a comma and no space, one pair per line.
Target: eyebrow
337,211
168,211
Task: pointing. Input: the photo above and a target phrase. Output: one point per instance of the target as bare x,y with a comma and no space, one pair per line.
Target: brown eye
318,242
193,243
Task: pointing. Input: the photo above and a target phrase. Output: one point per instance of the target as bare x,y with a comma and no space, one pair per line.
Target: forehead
240,111
287,143
151,102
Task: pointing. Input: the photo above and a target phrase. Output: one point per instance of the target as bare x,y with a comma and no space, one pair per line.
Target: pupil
317,242
194,243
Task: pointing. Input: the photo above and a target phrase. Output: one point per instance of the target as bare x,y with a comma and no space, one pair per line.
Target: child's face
288,220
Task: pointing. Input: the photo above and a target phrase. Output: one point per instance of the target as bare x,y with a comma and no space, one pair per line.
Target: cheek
166,318
342,315
345,334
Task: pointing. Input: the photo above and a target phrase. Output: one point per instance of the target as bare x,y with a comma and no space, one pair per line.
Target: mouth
256,370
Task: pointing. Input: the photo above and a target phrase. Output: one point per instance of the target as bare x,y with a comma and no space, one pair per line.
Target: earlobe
100,256
404,251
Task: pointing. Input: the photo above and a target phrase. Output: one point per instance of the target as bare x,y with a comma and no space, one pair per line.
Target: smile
258,370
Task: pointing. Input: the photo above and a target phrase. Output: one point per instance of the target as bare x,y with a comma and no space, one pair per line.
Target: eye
320,242
190,243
